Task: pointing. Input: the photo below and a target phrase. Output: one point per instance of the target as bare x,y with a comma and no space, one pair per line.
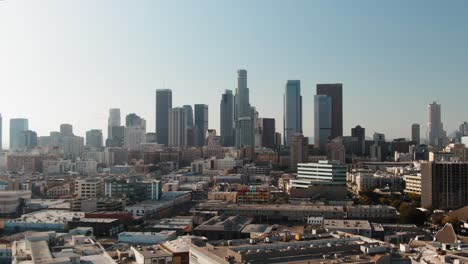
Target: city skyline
381,60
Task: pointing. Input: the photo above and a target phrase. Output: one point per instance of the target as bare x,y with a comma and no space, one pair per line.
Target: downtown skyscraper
335,92
292,110
177,127
322,121
201,124
436,135
17,125
189,125
243,112
227,119
163,105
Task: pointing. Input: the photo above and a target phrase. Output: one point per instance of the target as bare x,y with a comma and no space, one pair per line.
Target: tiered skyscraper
435,128
115,131
243,112
201,124
227,119
163,105
17,125
292,110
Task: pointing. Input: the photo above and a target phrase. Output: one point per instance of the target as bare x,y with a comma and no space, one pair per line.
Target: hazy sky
70,61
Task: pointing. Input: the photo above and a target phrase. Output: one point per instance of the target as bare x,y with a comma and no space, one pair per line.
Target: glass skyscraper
292,110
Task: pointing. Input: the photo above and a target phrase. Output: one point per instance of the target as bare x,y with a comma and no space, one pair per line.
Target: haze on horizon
70,61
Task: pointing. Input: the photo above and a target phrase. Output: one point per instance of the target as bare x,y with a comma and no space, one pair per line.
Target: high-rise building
292,110
322,121
358,132
189,125
267,132
133,120
163,105
134,137
227,119
444,185
299,150
94,138
118,136
1,132
66,130
462,129
113,121
335,91
201,124
435,129
243,112
72,146
16,126
177,127
27,139
415,133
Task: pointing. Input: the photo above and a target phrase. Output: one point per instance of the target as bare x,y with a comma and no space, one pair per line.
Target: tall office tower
299,150
267,132
163,105
177,127
444,185
72,147
415,133
114,120
66,130
189,125
257,138
243,112
151,138
335,91
359,133
118,136
292,110
94,138
201,124
1,132
322,121
133,120
462,129
16,126
134,137
227,119
278,138
55,139
27,139
435,129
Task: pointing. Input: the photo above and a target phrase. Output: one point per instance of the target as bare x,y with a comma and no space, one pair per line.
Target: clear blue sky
70,61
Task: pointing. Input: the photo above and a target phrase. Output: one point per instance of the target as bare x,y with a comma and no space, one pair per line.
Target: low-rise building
11,201
223,227
181,225
146,238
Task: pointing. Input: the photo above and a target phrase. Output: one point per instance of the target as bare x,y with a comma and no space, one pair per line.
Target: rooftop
346,224
225,223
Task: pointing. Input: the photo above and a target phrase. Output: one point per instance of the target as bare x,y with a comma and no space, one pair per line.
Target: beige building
89,188
413,184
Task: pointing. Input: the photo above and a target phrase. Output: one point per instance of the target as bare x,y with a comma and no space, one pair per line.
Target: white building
324,171
148,238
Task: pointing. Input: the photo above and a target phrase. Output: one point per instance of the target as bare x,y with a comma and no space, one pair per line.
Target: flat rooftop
346,224
225,223
48,216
